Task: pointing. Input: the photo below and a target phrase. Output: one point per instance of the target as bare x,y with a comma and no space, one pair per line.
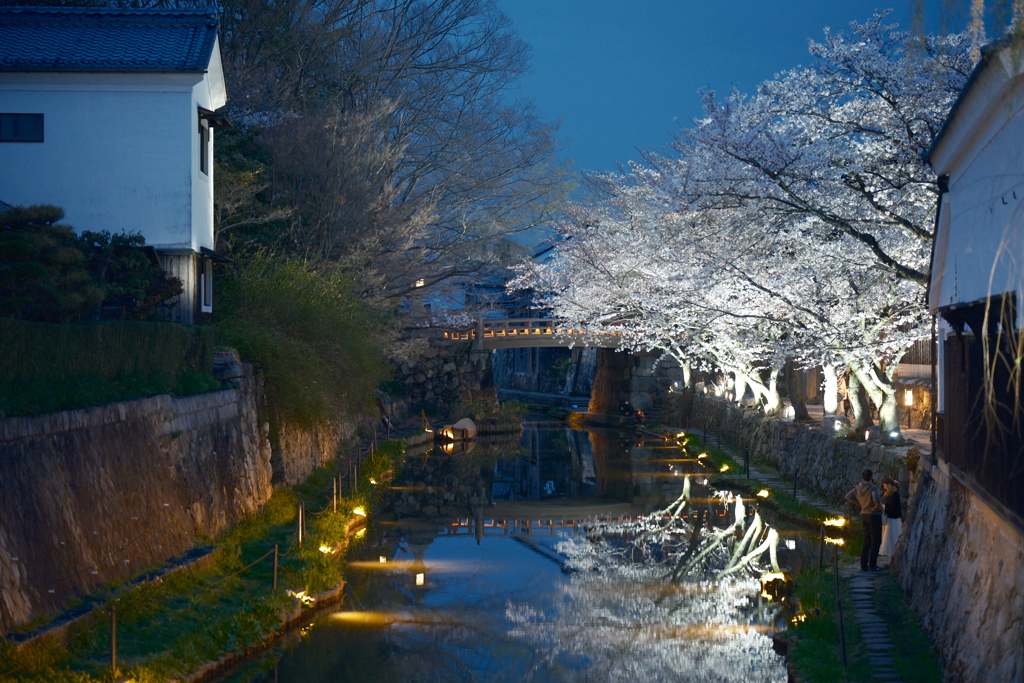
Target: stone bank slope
961,566
819,461
97,494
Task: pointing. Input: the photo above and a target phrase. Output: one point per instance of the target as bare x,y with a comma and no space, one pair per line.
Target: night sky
623,74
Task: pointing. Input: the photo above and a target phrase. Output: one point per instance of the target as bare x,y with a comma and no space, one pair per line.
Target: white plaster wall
982,250
119,153
202,184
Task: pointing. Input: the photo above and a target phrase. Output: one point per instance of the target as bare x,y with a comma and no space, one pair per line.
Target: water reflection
495,603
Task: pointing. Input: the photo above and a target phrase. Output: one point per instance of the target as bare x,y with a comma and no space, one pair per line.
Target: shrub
313,341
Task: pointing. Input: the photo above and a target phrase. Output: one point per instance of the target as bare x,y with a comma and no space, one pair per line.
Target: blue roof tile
105,39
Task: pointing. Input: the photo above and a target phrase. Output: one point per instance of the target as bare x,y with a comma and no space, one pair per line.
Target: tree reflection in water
670,597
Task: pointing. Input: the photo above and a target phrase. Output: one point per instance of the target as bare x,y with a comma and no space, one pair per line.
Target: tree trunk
796,392
830,401
687,373
858,402
741,387
883,394
768,395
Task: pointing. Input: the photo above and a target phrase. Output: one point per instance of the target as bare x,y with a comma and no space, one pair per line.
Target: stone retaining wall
961,567
820,462
97,494
443,374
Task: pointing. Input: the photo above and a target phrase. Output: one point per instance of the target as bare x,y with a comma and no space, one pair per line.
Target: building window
204,147
205,285
21,127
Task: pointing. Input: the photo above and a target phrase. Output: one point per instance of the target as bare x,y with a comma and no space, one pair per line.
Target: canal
563,575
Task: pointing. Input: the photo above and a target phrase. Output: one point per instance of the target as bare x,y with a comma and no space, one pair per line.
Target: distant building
978,280
109,114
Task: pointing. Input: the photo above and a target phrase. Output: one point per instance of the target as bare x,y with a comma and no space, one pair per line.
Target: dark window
982,430
21,127
204,147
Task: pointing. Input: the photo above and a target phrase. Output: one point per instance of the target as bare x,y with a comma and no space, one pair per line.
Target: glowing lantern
361,511
383,560
763,493
419,579
790,544
908,397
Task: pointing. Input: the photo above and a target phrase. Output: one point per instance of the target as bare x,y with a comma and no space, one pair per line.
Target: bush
50,274
313,341
46,367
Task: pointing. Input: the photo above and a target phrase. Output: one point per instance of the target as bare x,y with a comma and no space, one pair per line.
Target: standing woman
893,523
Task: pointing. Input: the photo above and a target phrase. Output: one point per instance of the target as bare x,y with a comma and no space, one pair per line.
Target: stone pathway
873,629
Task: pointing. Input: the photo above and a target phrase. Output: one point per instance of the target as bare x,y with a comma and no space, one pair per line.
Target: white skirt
890,534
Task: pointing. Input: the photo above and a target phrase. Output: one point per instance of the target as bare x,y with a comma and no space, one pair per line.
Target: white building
109,114
978,281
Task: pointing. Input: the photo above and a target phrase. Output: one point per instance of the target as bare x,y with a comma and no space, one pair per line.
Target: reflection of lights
702,455
327,550
834,541
365,618
361,511
301,596
680,435
419,579
797,619
723,468
383,559
763,493
835,521
790,544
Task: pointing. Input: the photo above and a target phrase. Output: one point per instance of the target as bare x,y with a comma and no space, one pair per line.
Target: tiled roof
102,39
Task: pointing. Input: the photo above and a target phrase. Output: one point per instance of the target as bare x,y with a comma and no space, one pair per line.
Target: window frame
42,127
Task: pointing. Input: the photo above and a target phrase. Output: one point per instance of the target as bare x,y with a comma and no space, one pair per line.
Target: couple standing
879,538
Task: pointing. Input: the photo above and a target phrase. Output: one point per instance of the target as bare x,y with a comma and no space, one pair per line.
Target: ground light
835,521
723,468
790,544
763,493
361,511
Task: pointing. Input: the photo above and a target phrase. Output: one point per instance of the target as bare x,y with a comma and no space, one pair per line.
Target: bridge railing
521,327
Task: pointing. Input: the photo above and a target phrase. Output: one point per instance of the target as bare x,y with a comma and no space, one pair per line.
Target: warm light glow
373,481
790,544
763,493
365,618
361,533
702,455
835,541
420,283
419,579
797,619
772,576
301,596
680,435
723,468
327,550
361,511
867,436
908,397
383,559
835,521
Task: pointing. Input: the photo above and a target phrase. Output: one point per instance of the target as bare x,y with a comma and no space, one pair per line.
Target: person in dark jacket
866,495
893,522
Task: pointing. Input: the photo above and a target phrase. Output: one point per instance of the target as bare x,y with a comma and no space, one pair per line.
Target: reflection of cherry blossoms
667,598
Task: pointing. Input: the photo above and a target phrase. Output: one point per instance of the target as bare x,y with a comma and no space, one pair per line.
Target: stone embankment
98,494
442,374
961,567
818,461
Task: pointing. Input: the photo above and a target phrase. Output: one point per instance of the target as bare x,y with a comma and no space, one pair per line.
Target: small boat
462,430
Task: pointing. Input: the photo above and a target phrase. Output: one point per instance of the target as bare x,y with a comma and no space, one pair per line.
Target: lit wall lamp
908,397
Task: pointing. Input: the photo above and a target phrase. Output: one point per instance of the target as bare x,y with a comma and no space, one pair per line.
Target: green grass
816,652
915,658
196,615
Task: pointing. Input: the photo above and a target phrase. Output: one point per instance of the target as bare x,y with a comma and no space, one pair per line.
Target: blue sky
620,73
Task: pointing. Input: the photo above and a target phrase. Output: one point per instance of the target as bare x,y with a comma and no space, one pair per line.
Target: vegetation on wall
47,367
316,345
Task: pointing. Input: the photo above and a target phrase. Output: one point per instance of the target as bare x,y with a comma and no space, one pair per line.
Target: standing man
866,495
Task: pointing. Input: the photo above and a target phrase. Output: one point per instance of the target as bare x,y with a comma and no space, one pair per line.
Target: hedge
45,367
